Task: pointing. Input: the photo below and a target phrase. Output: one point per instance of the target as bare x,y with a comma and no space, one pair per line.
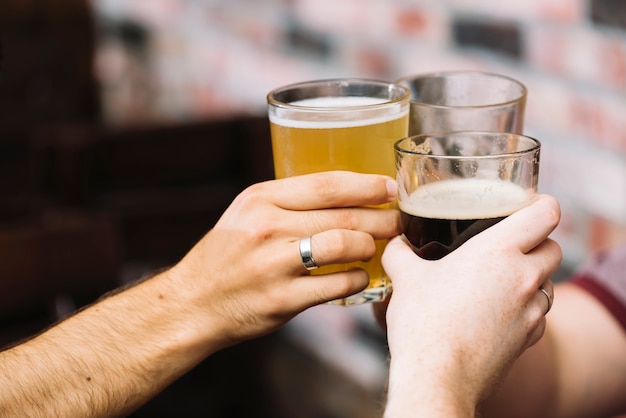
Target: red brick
411,21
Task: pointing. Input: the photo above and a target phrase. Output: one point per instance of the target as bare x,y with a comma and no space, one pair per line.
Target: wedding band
307,254
545,292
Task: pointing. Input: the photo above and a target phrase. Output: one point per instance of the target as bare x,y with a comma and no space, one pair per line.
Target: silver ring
307,254
545,292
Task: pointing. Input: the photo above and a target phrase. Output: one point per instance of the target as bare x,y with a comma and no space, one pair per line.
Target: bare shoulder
578,315
590,352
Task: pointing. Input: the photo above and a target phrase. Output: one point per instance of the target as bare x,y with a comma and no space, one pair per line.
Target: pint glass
454,185
465,101
340,124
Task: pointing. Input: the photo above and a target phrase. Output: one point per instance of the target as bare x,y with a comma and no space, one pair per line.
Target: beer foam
330,112
465,199
343,101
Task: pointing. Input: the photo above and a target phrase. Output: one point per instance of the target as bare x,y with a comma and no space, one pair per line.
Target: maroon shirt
604,277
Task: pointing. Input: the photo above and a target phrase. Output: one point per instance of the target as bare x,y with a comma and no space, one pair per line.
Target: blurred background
127,127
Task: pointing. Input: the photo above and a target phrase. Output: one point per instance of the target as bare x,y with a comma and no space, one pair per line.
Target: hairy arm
243,279
108,359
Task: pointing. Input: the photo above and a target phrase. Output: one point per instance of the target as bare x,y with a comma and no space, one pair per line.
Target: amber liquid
364,149
352,146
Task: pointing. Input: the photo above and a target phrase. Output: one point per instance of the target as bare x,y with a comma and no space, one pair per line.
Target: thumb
526,228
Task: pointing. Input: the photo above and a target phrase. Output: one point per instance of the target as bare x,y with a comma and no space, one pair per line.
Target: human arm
243,279
577,370
456,325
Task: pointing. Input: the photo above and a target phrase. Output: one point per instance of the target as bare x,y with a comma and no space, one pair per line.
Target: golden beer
341,132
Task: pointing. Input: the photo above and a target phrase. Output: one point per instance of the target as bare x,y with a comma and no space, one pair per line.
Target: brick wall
176,60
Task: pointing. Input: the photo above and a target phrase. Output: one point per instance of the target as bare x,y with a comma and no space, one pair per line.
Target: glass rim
534,145
273,101
446,74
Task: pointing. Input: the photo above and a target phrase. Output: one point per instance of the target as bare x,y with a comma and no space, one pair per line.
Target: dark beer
433,239
439,217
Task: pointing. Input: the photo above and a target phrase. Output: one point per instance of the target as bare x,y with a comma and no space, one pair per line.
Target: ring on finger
545,292
306,254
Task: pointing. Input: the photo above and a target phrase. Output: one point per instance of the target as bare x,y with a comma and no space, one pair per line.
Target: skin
456,325
243,279
577,370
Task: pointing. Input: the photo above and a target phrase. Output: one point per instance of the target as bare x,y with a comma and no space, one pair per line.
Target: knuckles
341,244
326,185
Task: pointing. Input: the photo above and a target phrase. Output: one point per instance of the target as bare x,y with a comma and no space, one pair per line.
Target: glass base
375,294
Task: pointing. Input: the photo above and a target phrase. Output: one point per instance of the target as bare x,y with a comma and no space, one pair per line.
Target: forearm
428,389
106,360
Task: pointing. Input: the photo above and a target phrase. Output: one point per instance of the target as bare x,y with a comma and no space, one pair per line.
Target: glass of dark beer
454,185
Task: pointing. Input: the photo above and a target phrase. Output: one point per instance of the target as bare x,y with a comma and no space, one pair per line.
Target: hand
458,323
247,274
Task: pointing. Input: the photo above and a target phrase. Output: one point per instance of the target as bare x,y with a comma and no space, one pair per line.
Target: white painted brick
593,177
214,57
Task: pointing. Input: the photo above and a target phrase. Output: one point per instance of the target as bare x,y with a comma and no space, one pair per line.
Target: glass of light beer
454,185
465,101
340,124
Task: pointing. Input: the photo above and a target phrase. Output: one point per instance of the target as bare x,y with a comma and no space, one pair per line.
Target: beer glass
465,101
340,124
454,185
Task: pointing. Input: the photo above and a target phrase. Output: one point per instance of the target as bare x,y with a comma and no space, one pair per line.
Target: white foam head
465,199
337,112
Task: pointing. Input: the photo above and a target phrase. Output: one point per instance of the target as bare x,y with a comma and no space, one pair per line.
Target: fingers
539,265
529,226
548,254
543,300
536,334
334,247
330,190
379,223
341,246
292,208
327,287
